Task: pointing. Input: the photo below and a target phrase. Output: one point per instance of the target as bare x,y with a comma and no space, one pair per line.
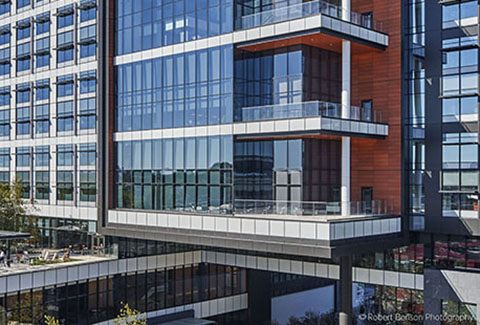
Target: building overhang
310,126
316,236
319,30
272,128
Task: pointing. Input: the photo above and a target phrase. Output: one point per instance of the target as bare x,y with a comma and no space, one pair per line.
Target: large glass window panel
450,15
469,83
179,152
469,13
469,60
168,154
451,156
451,84
202,197
295,154
157,154
167,114
127,155
469,181
451,62
137,155
226,18
469,109
450,205
469,156
280,64
202,152
280,154
202,23
214,110
469,205
146,155
214,152
451,181
179,197
227,151
190,153
168,191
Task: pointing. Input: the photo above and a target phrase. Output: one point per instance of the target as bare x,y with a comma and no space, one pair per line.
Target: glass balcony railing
306,9
305,208
306,109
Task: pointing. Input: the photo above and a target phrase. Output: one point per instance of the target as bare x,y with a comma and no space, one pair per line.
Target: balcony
307,9
314,117
307,109
315,228
323,210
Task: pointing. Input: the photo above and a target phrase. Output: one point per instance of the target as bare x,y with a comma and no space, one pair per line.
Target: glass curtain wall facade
188,89
414,116
48,63
456,124
99,299
288,170
292,74
182,174
148,24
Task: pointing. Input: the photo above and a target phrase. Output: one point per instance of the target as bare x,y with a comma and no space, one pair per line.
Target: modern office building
49,66
271,127
281,145
440,115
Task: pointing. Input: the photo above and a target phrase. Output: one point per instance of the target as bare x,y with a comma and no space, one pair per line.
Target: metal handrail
310,208
308,109
304,10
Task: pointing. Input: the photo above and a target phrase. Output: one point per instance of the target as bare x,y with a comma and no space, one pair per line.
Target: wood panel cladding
377,76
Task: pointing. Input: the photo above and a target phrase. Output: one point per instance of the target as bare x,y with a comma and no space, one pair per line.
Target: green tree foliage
129,316
13,216
312,318
50,320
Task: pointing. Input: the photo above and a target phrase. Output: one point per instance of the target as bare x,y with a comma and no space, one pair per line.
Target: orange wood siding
377,76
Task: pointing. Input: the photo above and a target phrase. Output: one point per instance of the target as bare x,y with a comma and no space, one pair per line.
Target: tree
312,318
129,316
13,213
50,320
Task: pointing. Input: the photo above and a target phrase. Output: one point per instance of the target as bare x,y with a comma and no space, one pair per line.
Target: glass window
24,178
65,155
88,45
23,157
42,156
214,152
23,29
65,116
88,10
65,186
65,16
5,34
88,186
65,47
4,8
280,154
22,3
43,23
42,185
88,154
87,113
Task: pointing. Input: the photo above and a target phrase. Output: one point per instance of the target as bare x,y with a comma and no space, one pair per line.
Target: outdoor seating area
23,257
37,258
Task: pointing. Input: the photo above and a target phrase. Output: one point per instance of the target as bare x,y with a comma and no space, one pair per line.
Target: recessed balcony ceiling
316,39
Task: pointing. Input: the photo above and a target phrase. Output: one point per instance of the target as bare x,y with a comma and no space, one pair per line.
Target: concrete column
346,9
346,84
345,311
